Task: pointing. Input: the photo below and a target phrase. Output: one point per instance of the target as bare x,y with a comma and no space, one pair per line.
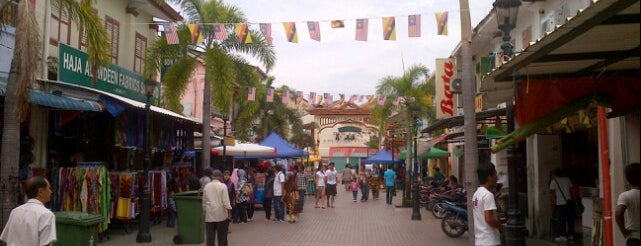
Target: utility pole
469,126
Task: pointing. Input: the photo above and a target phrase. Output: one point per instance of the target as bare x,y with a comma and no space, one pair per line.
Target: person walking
320,179
269,193
277,199
347,177
390,178
32,223
375,182
486,226
354,188
242,197
301,184
363,180
331,186
217,209
291,197
627,210
560,189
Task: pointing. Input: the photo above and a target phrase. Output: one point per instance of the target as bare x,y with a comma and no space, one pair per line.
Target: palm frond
219,72
175,81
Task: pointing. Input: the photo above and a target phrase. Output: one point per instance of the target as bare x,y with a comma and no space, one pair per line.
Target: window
113,32
60,25
139,54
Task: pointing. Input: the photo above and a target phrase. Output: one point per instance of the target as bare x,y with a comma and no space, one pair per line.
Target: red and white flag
361,98
266,30
314,30
220,32
361,29
312,98
327,99
170,33
352,98
270,95
285,98
414,26
251,94
397,101
381,100
299,96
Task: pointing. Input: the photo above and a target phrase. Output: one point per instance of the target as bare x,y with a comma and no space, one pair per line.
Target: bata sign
74,68
445,99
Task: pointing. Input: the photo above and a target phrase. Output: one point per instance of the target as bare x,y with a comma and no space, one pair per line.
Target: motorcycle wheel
430,205
439,211
453,225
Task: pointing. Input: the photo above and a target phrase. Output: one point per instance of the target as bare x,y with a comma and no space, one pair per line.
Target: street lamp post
143,235
225,119
416,211
506,13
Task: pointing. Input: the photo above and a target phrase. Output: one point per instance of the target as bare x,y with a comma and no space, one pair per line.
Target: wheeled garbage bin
77,228
189,208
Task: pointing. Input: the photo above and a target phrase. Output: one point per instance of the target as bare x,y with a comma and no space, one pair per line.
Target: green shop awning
432,153
56,101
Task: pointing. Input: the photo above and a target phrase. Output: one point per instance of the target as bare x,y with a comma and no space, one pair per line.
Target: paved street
349,223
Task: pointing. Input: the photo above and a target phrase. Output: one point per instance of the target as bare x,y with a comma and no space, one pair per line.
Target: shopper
486,226
277,199
320,180
242,197
269,193
354,188
375,182
291,197
301,182
390,178
32,223
217,209
363,181
627,210
560,189
347,177
331,186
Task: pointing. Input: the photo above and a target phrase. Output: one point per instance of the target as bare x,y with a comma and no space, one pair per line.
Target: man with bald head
32,223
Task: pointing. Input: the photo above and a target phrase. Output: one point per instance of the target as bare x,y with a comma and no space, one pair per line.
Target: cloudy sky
340,64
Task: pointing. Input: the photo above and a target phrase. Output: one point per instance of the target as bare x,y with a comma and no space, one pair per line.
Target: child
354,186
171,210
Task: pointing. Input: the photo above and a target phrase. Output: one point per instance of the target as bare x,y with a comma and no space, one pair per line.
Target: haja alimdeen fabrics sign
74,68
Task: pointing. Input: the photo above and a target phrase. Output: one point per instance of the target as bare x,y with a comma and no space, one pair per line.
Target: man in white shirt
627,211
332,182
277,198
561,188
486,226
217,209
32,223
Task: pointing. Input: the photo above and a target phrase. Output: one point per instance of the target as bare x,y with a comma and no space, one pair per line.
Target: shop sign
74,68
445,99
230,141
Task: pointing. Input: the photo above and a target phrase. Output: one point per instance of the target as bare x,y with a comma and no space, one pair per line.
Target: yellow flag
196,35
290,32
242,32
389,28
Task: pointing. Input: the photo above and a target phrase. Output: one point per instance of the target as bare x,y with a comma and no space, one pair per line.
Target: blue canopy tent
382,157
283,148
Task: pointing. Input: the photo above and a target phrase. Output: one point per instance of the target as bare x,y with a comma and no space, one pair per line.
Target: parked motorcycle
455,222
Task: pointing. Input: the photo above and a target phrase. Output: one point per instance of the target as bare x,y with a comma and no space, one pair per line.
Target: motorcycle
455,222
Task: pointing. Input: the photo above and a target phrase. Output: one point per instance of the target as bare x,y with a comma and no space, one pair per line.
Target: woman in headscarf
241,198
291,198
374,182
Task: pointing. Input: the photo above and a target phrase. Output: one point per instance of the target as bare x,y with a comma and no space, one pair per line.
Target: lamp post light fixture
506,13
143,235
225,119
416,211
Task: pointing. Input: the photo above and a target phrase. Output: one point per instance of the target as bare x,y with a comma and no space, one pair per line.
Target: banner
445,99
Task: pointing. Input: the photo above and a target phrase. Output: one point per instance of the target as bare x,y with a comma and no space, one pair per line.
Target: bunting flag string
241,30
288,96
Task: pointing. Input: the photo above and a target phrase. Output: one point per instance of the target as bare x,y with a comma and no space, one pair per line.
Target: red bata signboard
445,99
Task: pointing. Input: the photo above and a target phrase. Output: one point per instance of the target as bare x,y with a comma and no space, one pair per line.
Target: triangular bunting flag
196,35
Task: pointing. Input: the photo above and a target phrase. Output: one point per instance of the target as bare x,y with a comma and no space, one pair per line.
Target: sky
338,64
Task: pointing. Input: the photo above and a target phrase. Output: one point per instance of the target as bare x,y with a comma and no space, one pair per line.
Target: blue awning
57,101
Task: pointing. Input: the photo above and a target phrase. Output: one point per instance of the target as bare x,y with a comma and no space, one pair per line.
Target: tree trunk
206,162
469,127
10,147
407,187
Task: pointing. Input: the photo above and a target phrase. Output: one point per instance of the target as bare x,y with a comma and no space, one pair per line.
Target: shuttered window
113,32
140,52
60,25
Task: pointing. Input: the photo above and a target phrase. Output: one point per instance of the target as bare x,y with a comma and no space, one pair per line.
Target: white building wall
543,156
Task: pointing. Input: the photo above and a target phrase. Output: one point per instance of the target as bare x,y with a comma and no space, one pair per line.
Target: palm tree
223,62
413,84
22,74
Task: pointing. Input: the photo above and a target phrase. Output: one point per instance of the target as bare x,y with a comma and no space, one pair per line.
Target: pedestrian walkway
349,223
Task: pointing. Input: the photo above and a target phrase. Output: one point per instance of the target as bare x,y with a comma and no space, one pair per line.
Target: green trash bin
190,220
77,228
